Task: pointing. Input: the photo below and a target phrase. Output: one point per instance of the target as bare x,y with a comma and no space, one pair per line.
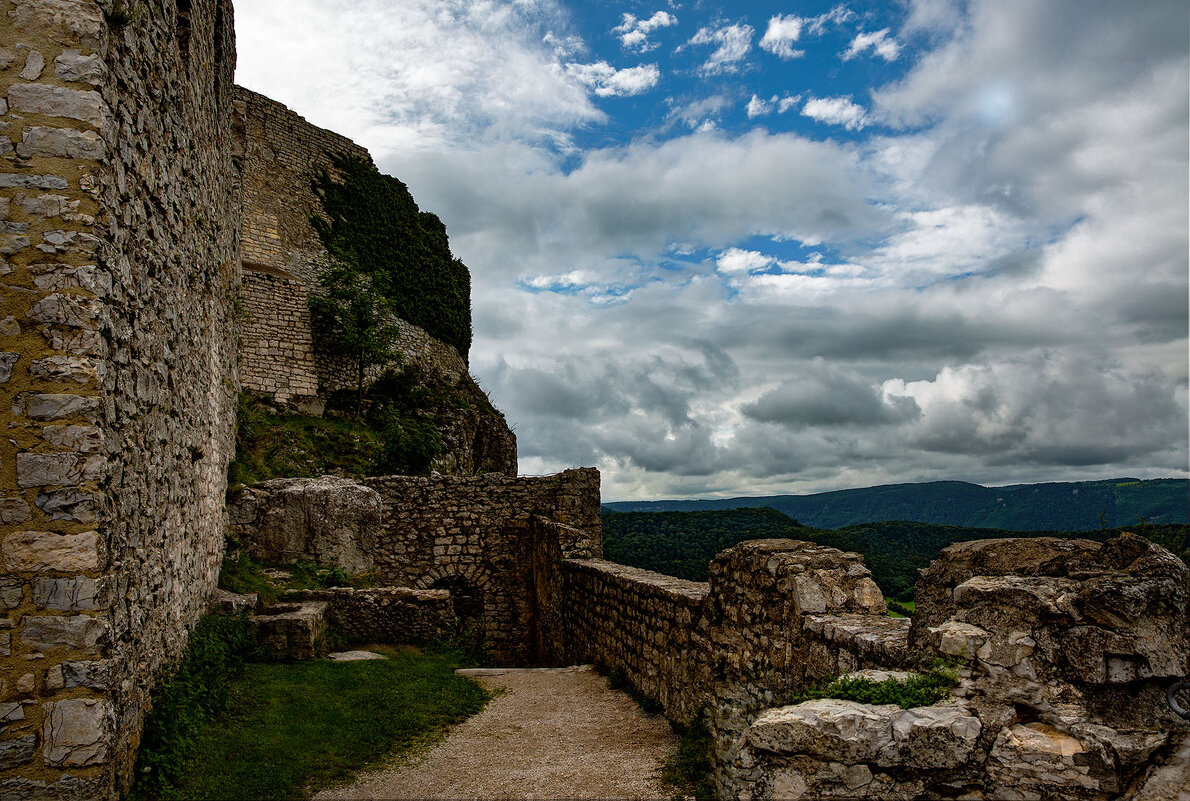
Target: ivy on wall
373,224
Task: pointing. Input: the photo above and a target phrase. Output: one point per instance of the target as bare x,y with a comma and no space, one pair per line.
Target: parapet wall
118,254
649,625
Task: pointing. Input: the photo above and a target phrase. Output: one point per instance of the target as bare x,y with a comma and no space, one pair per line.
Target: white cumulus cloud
879,42
836,111
607,81
783,30
634,33
734,43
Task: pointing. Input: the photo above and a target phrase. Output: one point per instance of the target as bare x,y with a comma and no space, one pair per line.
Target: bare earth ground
551,734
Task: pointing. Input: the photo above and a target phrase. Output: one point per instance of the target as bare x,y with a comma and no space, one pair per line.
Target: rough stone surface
387,614
77,732
79,633
46,550
330,521
292,631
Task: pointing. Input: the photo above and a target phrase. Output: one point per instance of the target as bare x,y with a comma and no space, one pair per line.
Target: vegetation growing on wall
373,224
919,689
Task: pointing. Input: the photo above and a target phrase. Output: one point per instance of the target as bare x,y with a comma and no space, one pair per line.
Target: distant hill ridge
1072,506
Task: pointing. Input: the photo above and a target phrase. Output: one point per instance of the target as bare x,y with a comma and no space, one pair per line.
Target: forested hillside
682,543
1076,506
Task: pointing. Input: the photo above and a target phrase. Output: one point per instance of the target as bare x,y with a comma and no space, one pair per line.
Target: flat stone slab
354,656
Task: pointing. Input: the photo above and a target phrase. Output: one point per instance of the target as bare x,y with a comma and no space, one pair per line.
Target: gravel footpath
551,734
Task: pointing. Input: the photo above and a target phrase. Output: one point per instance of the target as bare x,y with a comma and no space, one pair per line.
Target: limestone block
61,143
75,369
82,439
67,469
79,507
66,276
54,101
68,675
1027,758
14,753
72,65
7,360
230,603
11,593
8,57
67,22
14,510
77,594
63,309
940,736
329,520
47,550
48,206
9,326
80,632
11,712
960,639
10,180
34,64
292,631
52,406
13,243
78,732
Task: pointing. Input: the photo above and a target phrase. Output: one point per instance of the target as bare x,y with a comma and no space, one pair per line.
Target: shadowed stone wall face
118,224
650,625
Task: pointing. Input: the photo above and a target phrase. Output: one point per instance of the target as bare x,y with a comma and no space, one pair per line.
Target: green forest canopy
682,543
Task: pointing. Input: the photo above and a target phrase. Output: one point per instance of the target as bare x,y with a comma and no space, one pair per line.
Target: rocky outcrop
1065,647
329,521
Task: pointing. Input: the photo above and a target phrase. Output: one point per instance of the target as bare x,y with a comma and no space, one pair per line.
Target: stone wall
484,538
387,614
651,626
118,226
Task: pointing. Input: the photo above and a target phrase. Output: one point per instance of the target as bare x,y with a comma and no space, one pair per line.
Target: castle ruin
156,255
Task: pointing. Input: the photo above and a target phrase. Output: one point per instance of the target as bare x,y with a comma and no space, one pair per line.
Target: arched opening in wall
182,30
468,601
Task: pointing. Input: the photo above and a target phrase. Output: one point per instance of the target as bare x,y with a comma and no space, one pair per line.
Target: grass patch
901,608
295,446
299,727
243,575
688,771
200,688
921,689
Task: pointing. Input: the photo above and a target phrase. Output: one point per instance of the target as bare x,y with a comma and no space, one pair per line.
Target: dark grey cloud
824,395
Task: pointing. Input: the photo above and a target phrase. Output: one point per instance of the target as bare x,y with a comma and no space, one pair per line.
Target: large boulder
330,521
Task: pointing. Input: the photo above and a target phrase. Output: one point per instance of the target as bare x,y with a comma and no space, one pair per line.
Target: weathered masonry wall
282,154
485,538
650,625
118,258
283,256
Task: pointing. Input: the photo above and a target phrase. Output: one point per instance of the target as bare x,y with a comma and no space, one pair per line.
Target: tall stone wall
118,224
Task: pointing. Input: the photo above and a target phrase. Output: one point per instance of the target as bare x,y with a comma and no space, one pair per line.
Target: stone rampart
283,258
387,614
118,255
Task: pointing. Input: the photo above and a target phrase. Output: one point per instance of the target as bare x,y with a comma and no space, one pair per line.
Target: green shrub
921,689
182,700
373,224
242,575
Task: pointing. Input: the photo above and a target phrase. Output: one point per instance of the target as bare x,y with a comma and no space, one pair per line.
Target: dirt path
550,734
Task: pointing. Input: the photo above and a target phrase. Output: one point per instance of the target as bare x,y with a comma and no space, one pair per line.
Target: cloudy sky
745,248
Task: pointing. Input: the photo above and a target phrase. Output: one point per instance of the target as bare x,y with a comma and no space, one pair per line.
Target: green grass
294,446
294,728
901,608
688,771
921,689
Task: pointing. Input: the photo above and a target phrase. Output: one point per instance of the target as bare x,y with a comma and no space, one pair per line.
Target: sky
750,248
